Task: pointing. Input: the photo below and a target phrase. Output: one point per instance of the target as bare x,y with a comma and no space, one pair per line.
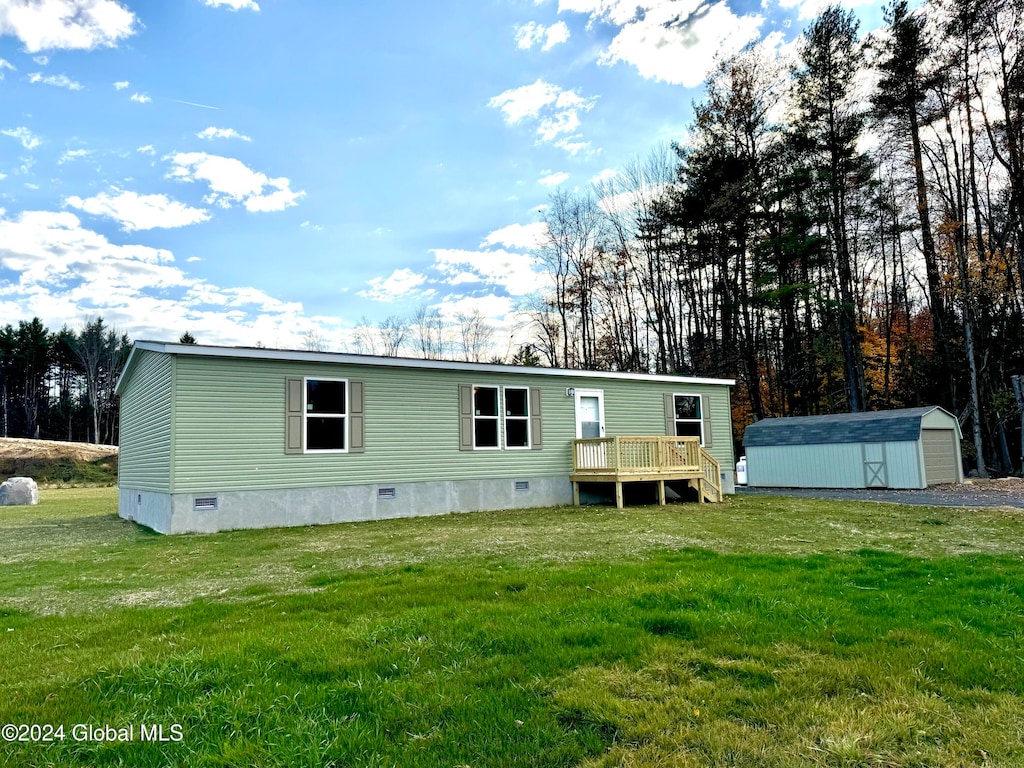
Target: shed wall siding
834,465
229,425
837,465
146,414
904,464
939,419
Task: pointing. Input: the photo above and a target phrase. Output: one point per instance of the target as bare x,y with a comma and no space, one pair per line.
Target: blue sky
252,170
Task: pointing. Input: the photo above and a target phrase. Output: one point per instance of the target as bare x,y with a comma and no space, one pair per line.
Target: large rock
19,490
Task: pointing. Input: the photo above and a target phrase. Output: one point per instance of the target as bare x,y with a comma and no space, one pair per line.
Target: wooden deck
645,459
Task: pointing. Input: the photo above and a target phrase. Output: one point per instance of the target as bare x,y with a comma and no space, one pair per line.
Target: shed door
940,456
875,474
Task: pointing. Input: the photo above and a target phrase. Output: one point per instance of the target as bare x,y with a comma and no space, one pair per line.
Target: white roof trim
342,358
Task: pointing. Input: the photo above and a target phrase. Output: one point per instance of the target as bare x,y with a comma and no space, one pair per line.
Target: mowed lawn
761,632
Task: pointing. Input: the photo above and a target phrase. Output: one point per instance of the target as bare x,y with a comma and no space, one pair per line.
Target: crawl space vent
522,485
386,493
204,503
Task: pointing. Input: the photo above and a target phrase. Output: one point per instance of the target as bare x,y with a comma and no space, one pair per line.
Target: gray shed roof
870,427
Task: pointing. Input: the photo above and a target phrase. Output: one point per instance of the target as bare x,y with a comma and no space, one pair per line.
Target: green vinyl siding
229,424
144,462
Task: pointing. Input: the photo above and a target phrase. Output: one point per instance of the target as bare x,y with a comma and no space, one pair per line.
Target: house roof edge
256,353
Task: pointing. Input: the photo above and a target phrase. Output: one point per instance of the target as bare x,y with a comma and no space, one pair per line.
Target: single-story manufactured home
906,448
215,438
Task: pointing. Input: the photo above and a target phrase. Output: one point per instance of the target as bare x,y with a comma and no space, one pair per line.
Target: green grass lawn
765,631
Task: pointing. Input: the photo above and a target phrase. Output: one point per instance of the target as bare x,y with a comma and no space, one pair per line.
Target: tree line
60,385
843,234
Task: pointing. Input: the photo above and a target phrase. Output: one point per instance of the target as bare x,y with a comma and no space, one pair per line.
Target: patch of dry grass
71,553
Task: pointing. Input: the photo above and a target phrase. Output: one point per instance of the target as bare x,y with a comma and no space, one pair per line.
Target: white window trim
305,415
527,418
700,400
496,418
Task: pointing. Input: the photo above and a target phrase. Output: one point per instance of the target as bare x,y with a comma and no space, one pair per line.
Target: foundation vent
386,493
522,485
204,503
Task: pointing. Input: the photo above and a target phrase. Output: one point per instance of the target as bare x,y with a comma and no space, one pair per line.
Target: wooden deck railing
625,454
647,458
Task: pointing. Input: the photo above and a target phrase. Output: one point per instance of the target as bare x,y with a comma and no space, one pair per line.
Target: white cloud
141,98
192,259
554,110
121,85
573,146
73,154
310,225
134,211
606,175
5,64
66,24
810,9
66,272
146,150
24,135
60,81
525,236
399,285
512,271
493,307
553,179
234,5
41,60
231,181
221,133
52,249
675,41
531,34
632,200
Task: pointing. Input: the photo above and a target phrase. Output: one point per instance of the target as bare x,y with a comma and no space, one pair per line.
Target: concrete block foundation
212,511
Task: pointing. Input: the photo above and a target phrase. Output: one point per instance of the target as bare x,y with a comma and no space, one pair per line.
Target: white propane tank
741,471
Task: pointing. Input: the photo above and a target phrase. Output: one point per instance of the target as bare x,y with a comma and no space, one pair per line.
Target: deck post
700,490
618,495
618,457
661,492
575,494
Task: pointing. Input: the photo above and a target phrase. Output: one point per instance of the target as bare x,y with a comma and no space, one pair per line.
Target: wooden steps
634,459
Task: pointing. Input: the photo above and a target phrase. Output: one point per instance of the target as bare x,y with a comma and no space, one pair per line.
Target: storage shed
906,448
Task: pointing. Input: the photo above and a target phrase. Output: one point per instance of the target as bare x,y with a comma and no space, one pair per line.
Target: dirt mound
23,448
55,462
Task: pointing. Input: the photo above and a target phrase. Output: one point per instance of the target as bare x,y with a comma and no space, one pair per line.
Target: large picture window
517,417
485,417
326,414
689,416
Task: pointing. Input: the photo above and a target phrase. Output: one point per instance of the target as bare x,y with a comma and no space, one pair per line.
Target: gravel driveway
1004,492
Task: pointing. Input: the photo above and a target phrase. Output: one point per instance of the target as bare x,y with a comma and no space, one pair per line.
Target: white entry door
589,413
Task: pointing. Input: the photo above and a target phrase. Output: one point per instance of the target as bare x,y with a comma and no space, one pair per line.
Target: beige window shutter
705,415
465,417
536,427
355,415
293,416
670,415
536,420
